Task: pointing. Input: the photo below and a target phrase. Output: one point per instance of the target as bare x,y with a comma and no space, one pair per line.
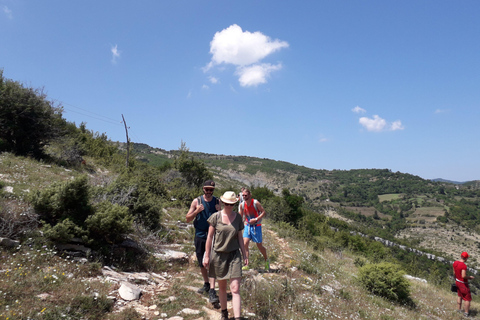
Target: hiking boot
267,265
204,289
212,296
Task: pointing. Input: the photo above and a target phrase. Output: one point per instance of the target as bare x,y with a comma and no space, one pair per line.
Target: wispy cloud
7,12
377,124
441,111
189,94
357,109
205,87
244,50
213,80
322,139
115,54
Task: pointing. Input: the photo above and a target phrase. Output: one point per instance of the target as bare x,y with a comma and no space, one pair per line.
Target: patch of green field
389,197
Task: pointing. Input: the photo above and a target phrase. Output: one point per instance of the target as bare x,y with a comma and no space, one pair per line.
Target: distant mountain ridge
448,181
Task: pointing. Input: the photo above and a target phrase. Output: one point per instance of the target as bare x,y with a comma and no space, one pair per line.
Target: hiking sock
224,314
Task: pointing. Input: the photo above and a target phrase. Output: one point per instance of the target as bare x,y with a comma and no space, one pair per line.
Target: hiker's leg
222,293
246,242
212,283
459,303
467,306
205,274
262,250
236,299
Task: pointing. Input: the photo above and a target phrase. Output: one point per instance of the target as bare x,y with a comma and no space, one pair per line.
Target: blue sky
324,84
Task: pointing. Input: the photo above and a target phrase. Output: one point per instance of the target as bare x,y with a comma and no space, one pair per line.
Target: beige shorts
225,265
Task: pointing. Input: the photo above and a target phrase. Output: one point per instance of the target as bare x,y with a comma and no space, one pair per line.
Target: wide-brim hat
229,197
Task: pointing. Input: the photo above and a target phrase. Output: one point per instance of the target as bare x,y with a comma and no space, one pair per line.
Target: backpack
242,205
199,200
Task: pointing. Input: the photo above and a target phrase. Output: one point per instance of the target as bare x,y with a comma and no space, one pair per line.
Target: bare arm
241,211
195,209
464,275
208,246
261,215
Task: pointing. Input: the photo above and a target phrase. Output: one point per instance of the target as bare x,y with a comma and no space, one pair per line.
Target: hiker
240,198
200,210
252,213
222,255
461,280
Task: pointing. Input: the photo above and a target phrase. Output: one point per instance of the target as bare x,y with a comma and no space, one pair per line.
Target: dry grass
37,284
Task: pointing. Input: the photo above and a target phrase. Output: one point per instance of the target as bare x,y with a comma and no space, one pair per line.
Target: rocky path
140,290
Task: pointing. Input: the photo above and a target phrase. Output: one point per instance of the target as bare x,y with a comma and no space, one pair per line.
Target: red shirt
249,211
458,266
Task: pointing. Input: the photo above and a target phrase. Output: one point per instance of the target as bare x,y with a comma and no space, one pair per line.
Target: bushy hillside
71,192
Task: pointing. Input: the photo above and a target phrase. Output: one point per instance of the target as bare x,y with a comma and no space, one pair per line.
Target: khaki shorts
225,265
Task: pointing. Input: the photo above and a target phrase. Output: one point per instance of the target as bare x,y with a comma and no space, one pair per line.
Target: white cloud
205,87
377,124
256,74
213,80
115,54
397,125
8,12
321,140
245,50
357,109
441,111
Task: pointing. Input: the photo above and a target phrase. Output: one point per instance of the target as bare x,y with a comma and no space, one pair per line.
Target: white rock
129,292
8,189
189,311
9,243
328,289
170,255
415,278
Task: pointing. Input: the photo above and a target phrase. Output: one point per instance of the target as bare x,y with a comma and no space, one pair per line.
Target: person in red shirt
461,280
253,212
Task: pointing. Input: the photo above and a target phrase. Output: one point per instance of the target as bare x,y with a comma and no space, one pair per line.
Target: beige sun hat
229,197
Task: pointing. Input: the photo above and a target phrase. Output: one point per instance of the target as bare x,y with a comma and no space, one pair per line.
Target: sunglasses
229,204
208,190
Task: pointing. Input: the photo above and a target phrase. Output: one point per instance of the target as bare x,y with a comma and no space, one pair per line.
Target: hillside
87,231
304,282
396,206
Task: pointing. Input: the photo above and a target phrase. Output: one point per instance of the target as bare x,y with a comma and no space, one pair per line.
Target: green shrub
194,171
359,262
63,200
142,193
28,121
386,280
110,222
64,231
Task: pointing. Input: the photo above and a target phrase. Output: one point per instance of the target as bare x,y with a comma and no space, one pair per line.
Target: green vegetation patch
389,197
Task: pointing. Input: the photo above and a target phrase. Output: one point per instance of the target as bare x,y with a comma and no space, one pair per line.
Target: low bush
63,200
109,223
386,280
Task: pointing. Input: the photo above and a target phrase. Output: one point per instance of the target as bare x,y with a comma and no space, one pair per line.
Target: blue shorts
253,232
